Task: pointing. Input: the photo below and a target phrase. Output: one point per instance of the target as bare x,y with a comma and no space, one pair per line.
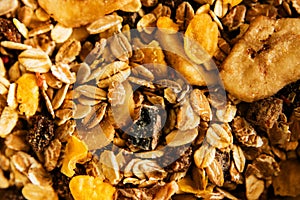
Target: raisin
41,134
9,31
265,113
182,163
61,185
145,132
11,193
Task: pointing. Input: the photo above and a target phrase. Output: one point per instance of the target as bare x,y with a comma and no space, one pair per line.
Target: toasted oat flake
8,120
104,23
15,45
60,33
21,27
62,72
35,60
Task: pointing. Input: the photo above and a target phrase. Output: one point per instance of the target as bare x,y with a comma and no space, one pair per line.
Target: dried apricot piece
28,94
201,38
84,187
75,151
166,25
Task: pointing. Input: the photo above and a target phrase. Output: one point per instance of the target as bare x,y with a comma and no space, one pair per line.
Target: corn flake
201,38
28,94
84,187
75,151
166,25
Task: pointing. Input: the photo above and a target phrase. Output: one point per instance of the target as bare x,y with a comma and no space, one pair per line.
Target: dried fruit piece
287,182
41,134
75,151
265,113
87,187
28,94
7,28
261,57
201,38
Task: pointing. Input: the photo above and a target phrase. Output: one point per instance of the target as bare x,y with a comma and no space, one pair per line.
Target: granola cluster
149,99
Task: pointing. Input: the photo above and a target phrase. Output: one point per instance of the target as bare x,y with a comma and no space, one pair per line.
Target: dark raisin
224,159
61,185
265,113
145,132
182,163
8,31
41,133
11,193
129,18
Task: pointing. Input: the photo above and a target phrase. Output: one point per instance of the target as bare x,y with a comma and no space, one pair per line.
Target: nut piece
261,57
76,13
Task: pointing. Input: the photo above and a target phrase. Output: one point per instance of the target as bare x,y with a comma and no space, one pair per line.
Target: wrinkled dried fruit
261,57
287,182
201,38
87,187
75,151
28,94
7,28
41,134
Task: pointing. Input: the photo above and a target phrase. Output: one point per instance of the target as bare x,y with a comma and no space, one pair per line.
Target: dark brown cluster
8,31
11,193
61,185
41,133
182,163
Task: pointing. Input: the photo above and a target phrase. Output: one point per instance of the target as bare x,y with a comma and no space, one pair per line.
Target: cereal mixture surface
149,99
